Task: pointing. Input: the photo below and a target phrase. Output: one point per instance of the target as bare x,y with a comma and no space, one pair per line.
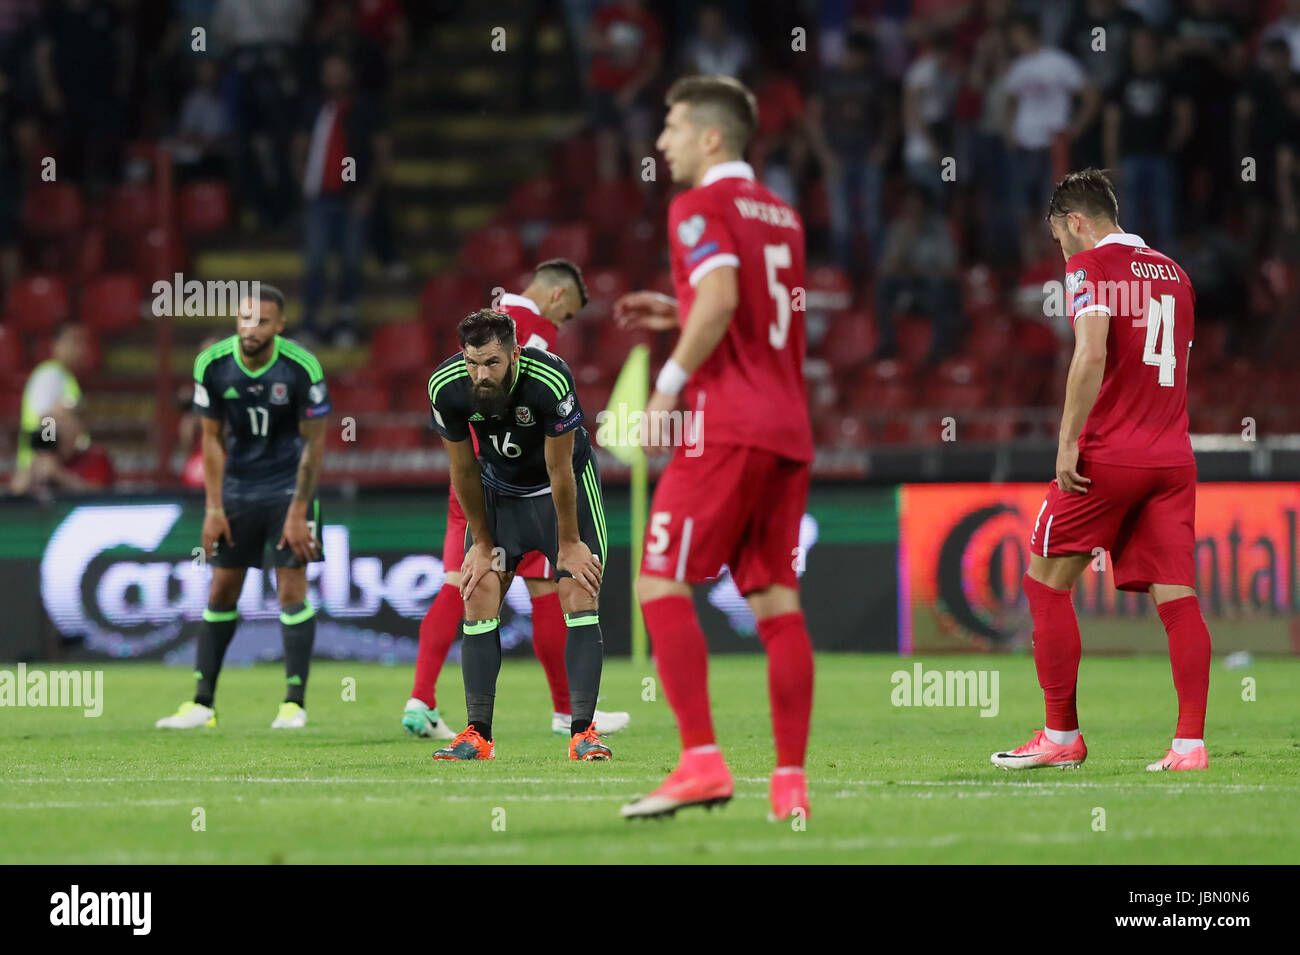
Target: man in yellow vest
50,428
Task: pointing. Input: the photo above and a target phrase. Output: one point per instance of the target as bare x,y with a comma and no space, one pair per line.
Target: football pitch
889,784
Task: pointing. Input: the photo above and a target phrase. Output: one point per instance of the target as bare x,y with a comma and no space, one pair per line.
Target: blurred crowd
927,134
268,95
918,138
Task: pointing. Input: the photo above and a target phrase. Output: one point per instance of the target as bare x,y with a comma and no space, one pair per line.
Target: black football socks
215,633
298,630
584,654
480,664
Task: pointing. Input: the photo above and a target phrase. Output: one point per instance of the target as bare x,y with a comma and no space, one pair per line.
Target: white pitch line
1008,786
334,780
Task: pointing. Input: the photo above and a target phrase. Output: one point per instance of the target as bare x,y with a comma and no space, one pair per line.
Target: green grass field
889,784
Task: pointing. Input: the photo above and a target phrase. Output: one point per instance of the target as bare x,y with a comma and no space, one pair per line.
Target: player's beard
252,350
492,402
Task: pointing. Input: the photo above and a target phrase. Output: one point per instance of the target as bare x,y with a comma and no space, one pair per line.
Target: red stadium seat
535,200
897,430
404,347
642,249
349,400
492,253
959,371
914,337
11,402
571,340
411,391
575,161
90,258
159,254
884,385
604,287
394,437
449,297
570,241
828,288
203,207
662,281
1036,338
130,210
53,209
11,352
37,303
997,428
609,206
947,396
613,344
111,303
990,341
843,431
850,340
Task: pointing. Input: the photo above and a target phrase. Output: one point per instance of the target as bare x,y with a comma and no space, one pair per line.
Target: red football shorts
1145,517
533,565
731,505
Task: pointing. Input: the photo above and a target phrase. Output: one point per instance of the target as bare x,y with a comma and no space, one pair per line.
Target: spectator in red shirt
626,42
341,153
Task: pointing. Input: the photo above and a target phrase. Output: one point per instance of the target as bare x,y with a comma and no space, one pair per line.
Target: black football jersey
261,410
542,403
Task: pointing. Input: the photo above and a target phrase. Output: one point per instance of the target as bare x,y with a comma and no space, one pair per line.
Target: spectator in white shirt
930,88
1041,88
715,49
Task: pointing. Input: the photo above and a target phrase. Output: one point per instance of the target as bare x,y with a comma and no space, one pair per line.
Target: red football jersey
1140,417
750,390
531,330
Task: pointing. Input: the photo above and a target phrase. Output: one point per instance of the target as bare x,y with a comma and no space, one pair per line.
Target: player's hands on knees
1068,477
480,560
298,536
577,558
651,310
215,528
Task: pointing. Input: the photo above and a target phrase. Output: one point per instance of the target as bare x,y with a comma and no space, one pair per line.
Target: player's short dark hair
566,271
485,326
1088,192
733,107
266,292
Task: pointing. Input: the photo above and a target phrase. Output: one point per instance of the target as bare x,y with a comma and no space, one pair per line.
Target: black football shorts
256,527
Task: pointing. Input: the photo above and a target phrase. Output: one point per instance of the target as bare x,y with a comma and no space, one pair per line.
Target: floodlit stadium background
164,142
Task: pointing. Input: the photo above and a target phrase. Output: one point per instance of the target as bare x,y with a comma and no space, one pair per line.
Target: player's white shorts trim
711,263
686,548
1037,520
1047,532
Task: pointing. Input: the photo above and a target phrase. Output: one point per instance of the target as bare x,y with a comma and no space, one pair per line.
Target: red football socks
682,658
1189,656
1056,651
549,637
789,684
438,630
